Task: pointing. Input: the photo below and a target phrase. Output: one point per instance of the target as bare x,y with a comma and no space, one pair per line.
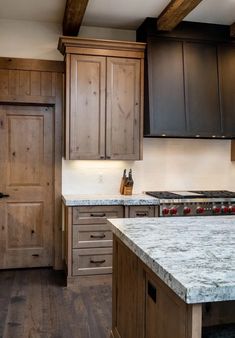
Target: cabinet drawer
92,261
92,236
142,211
96,214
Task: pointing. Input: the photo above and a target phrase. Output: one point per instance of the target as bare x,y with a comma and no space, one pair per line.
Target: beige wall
178,164
168,163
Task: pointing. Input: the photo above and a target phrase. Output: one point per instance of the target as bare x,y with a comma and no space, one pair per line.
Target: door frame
48,91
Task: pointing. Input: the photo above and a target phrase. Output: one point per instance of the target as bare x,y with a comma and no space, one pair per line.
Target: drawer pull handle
98,215
141,214
152,291
97,262
98,236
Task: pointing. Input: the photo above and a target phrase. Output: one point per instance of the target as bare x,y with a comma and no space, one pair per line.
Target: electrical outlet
100,178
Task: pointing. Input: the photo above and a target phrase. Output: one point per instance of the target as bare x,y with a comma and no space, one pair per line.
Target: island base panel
143,306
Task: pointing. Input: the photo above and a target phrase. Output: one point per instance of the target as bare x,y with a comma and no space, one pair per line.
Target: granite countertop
194,256
96,199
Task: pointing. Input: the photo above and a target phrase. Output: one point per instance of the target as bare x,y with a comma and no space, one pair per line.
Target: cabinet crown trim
65,42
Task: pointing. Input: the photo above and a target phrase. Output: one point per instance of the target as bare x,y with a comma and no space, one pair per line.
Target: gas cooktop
192,194
195,202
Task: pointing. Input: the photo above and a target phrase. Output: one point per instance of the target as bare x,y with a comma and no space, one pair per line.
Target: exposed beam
232,30
73,15
174,13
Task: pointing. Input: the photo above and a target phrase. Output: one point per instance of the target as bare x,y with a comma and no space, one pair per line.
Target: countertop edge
112,200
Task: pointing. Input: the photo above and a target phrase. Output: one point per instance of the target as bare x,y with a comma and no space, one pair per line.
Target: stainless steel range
195,203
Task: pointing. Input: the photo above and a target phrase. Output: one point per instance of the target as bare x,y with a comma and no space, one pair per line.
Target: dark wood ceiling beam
174,13
73,15
232,30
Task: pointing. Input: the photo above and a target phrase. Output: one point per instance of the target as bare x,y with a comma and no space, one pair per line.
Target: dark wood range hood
189,81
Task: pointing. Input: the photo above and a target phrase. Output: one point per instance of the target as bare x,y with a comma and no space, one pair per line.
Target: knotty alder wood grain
143,306
35,303
104,99
73,15
174,13
27,83
26,140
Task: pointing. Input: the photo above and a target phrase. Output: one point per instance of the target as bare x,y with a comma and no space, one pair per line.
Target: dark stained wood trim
232,150
73,15
174,13
232,30
32,64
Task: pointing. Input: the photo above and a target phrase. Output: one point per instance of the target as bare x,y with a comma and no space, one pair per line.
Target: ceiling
124,14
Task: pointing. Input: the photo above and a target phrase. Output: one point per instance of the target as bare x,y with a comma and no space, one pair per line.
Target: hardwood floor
34,303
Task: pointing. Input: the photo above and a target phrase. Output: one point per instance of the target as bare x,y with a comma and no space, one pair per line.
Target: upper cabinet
201,89
104,99
164,97
226,63
189,81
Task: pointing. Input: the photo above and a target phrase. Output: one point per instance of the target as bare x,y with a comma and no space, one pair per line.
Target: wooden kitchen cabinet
143,306
202,89
164,104
226,67
88,240
189,81
104,99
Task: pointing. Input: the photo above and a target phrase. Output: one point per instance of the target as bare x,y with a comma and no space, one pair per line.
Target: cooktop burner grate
192,194
215,193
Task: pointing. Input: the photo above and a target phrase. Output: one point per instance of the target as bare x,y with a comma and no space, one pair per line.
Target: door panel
87,107
123,109
201,89
166,89
26,163
26,156
24,225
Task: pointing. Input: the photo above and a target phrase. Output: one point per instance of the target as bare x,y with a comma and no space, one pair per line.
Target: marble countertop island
194,256
96,199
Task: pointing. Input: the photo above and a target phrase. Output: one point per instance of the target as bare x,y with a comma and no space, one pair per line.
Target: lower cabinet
143,306
88,239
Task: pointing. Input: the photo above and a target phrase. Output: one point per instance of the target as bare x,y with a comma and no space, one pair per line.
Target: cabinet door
87,107
165,109
201,89
226,56
123,125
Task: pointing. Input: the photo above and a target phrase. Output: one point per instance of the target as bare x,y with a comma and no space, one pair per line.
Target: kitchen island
174,277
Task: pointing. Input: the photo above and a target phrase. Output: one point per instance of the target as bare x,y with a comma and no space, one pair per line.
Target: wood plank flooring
34,303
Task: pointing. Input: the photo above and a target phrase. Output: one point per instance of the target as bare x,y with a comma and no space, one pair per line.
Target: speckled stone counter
194,256
138,199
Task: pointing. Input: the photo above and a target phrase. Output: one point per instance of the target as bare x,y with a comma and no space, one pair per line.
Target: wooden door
123,115
226,56
87,107
26,167
201,89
